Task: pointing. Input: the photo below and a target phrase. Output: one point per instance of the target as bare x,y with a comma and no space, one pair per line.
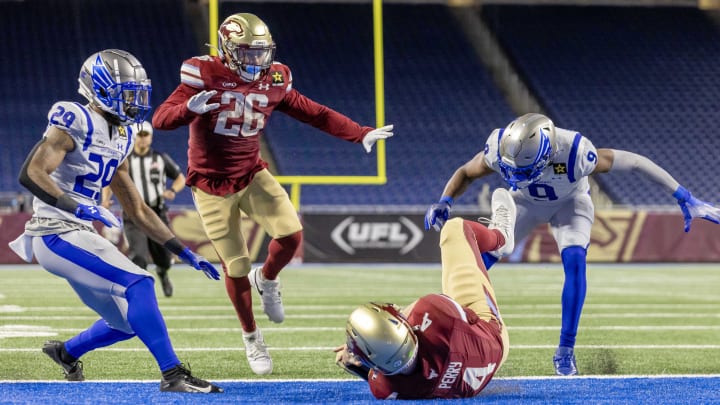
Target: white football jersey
574,157
99,149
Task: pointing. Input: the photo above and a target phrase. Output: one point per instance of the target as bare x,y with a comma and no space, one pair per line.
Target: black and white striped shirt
150,173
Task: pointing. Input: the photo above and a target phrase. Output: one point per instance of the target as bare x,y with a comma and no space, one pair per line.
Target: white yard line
507,307
330,348
679,315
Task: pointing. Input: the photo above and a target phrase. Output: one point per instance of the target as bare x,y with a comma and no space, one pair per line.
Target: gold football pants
263,200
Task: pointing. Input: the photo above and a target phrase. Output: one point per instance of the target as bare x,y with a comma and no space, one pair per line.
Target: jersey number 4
475,376
252,121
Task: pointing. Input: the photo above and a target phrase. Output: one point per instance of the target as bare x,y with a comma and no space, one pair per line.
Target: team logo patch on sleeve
560,168
277,79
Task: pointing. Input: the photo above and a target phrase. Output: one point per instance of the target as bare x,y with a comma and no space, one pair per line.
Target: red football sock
487,239
238,289
280,252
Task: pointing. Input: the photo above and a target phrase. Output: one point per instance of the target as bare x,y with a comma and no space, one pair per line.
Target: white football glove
198,103
373,136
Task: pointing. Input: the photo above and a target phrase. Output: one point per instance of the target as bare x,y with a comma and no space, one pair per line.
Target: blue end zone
555,390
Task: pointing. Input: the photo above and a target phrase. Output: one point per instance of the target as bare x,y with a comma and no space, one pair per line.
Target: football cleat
179,379
504,213
269,291
564,361
257,353
74,370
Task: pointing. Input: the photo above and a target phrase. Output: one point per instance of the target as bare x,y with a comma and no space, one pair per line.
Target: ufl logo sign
350,235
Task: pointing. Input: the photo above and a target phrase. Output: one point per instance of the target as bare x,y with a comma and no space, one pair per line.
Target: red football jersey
458,353
224,146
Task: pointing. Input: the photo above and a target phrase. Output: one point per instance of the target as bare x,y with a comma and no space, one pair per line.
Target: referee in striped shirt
150,171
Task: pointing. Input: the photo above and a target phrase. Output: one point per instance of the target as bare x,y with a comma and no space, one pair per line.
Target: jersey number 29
104,173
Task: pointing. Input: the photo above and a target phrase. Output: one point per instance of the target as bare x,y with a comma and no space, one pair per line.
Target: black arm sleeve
29,184
64,202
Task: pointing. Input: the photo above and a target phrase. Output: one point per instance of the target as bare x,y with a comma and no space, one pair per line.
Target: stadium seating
632,78
437,94
640,79
42,64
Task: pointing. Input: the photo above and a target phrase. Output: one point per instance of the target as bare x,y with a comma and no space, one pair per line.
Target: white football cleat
257,353
504,213
269,291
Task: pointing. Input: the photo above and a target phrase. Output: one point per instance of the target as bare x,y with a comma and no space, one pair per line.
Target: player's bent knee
573,257
238,267
573,239
452,227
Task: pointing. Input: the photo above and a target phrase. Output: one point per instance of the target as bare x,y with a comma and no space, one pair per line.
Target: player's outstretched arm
691,207
150,224
438,213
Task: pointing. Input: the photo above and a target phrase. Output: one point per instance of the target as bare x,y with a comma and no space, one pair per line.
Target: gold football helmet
381,338
526,148
246,45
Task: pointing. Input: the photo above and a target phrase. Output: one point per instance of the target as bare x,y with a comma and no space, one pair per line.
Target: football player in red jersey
445,345
227,100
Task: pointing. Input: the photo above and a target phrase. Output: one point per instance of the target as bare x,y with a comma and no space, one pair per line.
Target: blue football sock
489,260
573,293
97,336
147,322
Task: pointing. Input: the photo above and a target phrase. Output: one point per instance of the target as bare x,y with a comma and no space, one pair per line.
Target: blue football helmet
526,149
116,82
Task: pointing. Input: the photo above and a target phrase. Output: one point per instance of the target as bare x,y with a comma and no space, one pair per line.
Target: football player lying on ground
84,149
445,345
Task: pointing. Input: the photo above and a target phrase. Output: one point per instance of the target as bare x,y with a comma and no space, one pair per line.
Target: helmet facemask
381,338
246,45
526,150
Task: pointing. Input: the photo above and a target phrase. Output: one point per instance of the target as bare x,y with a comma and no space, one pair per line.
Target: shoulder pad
280,75
491,149
190,71
72,118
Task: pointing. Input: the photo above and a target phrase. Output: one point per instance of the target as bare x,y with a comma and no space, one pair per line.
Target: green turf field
638,319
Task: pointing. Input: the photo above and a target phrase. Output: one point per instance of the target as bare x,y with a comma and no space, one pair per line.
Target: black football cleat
179,379
74,370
